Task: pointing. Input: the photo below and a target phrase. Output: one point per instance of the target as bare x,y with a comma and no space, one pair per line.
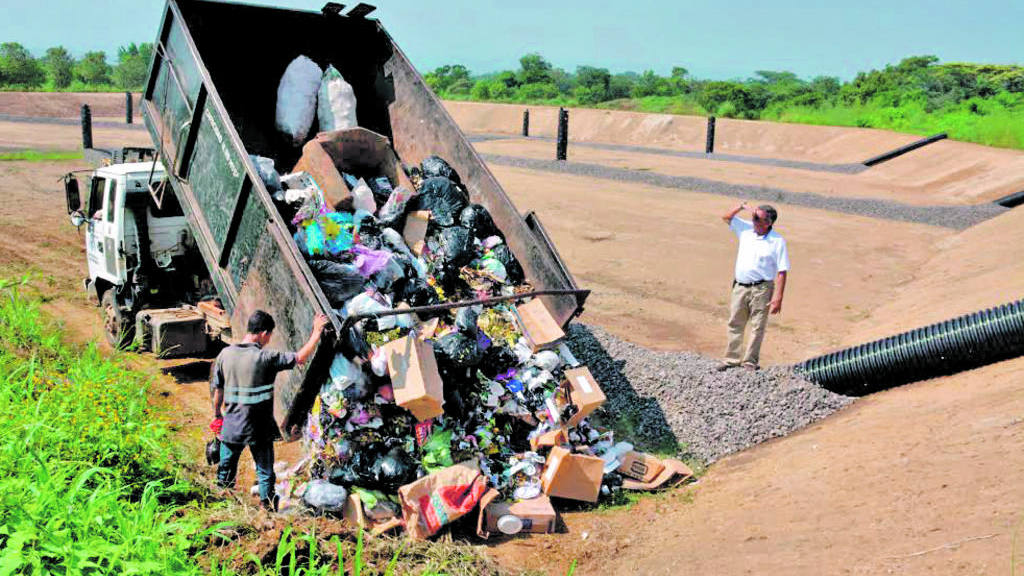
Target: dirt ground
918,480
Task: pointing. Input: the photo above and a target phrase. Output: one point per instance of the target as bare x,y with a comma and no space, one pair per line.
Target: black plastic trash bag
417,292
465,321
508,260
478,220
497,359
338,281
442,198
344,475
458,349
435,166
453,246
394,469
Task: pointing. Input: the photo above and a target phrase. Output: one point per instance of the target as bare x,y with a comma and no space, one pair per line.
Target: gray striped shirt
246,373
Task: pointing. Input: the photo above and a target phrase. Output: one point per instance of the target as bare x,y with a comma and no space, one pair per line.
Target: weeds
88,481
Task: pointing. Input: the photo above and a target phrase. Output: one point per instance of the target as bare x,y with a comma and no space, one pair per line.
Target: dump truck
209,103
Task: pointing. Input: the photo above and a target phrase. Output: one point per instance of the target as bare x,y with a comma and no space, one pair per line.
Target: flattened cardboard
415,231
414,377
556,437
353,512
538,325
640,466
674,474
584,392
572,476
316,162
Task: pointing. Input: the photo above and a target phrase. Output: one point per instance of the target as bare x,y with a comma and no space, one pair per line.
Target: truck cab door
104,236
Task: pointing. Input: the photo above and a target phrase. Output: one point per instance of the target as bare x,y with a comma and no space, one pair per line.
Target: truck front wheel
116,323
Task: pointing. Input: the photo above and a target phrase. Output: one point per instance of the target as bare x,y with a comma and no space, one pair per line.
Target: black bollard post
526,122
563,134
128,107
709,145
86,127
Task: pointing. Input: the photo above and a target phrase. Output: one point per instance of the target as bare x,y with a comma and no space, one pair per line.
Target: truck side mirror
71,194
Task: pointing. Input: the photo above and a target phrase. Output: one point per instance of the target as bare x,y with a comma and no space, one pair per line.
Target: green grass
41,155
89,483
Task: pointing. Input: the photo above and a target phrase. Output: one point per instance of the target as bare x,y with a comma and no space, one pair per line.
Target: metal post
563,134
128,107
86,127
709,145
526,122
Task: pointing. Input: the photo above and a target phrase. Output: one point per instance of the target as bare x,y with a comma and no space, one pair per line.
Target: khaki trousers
749,305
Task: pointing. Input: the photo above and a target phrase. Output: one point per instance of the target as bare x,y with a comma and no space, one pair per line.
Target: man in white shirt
759,282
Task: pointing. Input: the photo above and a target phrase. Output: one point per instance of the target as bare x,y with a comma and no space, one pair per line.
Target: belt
746,285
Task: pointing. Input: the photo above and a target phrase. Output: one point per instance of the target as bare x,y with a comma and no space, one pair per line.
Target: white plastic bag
362,197
336,102
268,174
296,98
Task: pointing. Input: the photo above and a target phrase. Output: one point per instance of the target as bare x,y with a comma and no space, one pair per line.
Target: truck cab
140,251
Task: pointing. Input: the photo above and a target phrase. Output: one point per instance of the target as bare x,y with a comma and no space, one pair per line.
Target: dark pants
262,455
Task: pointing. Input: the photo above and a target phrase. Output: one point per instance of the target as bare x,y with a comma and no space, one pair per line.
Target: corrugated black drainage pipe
961,343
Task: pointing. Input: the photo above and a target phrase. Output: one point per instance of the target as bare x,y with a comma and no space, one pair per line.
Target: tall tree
93,68
132,66
17,66
534,69
60,66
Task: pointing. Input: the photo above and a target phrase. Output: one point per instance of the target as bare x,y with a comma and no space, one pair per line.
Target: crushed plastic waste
499,404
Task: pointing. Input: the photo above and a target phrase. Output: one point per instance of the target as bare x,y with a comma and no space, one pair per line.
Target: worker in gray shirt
242,387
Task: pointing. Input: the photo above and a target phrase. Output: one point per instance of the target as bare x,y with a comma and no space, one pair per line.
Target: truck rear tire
116,324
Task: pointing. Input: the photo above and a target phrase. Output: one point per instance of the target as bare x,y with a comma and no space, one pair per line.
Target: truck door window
169,206
112,201
95,207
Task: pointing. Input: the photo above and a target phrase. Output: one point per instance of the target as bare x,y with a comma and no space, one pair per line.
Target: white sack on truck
296,98
336,102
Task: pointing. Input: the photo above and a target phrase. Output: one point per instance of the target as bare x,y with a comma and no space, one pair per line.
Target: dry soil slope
64,104
975,269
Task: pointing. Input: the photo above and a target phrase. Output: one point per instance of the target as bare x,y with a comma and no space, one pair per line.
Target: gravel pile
665,400
956,217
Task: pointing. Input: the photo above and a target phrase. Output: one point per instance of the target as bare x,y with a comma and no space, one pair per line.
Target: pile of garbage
428,415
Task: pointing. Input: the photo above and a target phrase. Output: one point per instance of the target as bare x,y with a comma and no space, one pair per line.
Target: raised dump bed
210,103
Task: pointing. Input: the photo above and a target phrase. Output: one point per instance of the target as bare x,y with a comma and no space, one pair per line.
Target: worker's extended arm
728,216
218,402
780,288
302,356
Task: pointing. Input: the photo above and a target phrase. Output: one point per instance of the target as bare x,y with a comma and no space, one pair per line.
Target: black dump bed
210,103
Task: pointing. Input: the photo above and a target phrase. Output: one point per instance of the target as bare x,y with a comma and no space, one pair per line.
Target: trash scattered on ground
430,415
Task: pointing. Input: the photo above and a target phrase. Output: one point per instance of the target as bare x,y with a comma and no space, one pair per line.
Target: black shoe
271,504
723,366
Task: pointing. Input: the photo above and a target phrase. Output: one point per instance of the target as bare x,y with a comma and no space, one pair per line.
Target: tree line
57,69
919,81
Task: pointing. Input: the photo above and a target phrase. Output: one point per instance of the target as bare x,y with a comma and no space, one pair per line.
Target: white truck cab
118,197
142,259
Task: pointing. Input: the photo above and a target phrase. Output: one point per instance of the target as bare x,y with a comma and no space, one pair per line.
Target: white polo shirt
759,257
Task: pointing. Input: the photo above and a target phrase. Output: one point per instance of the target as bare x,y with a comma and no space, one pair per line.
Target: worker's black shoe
723,366
271,504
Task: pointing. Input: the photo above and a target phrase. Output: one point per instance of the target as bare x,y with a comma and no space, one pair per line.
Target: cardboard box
316,162
536,514
640,466
573,476
538,326
674,474
414,377
584,392
549,439
415,231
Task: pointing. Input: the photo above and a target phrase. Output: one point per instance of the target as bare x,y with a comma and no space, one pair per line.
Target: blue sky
712,38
